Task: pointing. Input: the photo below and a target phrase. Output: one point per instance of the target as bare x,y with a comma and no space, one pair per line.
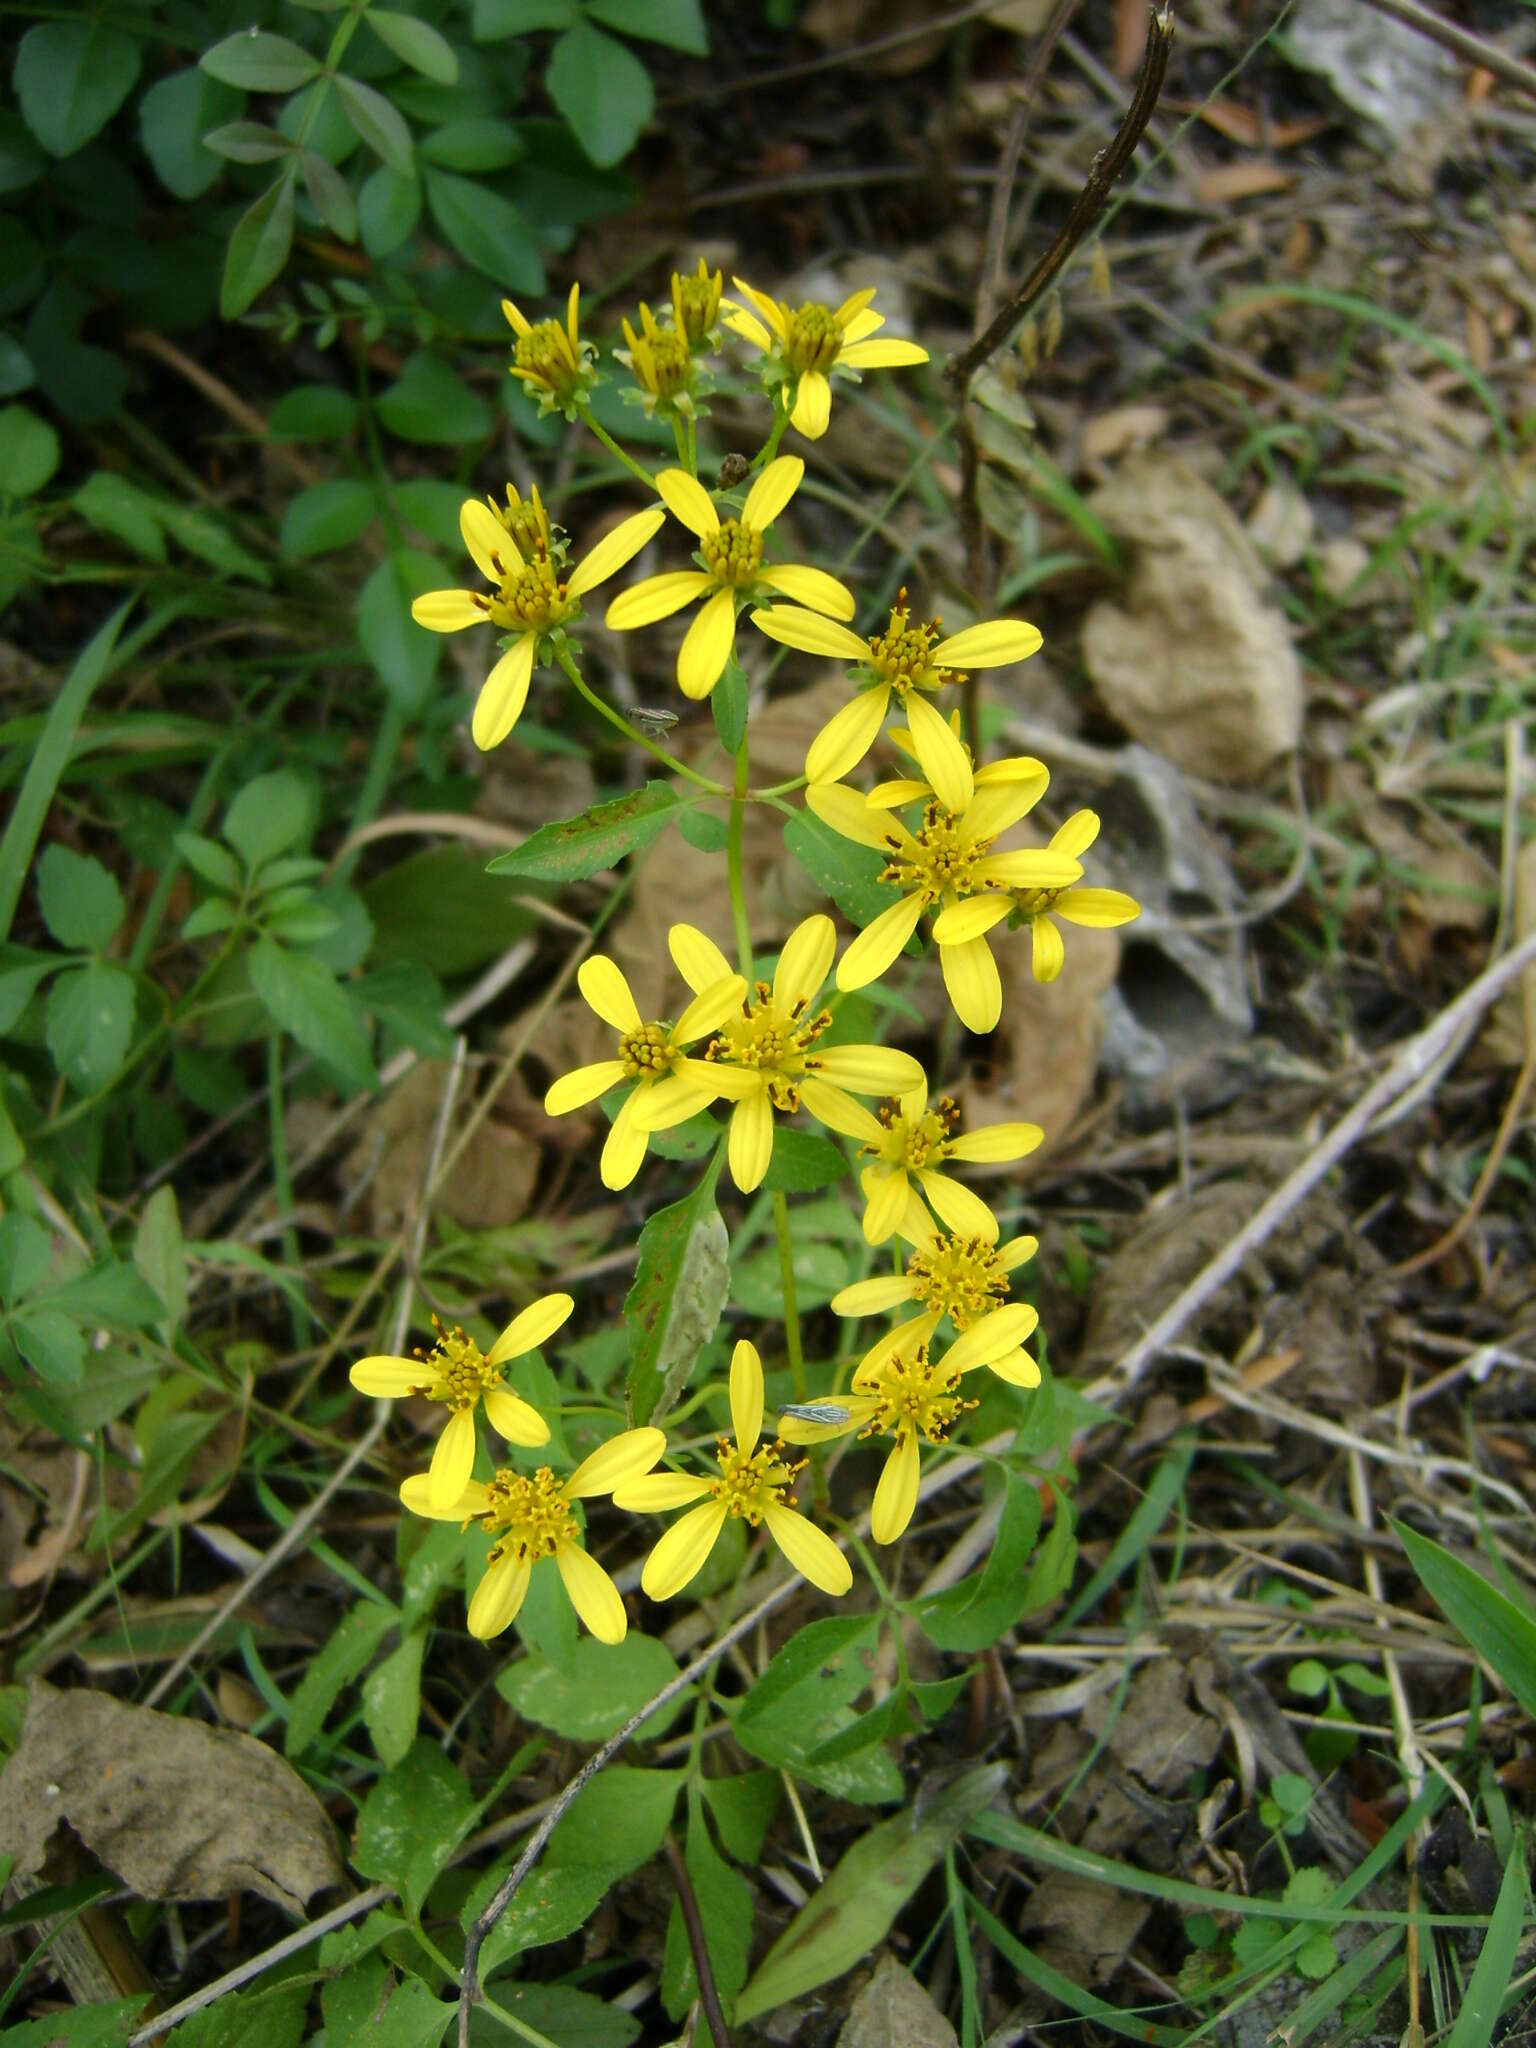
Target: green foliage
673,1309
1498,1630
599,838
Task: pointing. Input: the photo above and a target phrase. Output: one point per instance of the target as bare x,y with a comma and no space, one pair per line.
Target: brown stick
1487,56
709,1997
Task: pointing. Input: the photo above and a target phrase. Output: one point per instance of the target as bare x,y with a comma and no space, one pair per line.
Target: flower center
748,1485
695,302
915,1394
733,553
902,655
460,1371
545,351
815,339
917,1142
773,1042
961,1277
944,859
647,1051
534,1515
526,522
667,362
533,598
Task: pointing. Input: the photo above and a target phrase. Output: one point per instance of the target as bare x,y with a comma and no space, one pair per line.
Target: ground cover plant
769,959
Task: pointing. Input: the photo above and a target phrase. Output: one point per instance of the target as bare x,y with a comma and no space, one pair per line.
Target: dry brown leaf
1194,663
1280,524
1082,1928
1124,427
1248,180
1157,1734
894,2011
845,24
493,1178
176,1809
1244,125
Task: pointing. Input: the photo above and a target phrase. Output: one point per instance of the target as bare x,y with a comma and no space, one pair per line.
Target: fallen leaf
1248,180
493,1177
1280,524
1246,126
174,1808
1124,427
894,2011
1156,1733
1193,662
1081,1927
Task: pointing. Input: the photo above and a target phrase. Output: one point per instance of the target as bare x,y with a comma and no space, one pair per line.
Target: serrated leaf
605,1684
819,1672
728,704
51,1342
392,1699
259,247
257,61
215,863
803,1162
89,1023
681,1286
848,873
604,91
415,42
574,848
303,996
159,1255
71,77
382,127
406,657
412,1821
81,903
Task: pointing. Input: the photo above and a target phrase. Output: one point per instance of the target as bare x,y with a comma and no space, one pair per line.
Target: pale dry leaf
1192,661
1082,1928
894,2011
493,1178
1248,180
1114,433
1280,524
1157,1734
174,1808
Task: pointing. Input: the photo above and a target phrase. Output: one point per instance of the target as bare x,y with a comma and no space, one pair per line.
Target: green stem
635,737
387,739
620,454
282,1180
693,447
160,896
763,796
770,447
787,1284
733,861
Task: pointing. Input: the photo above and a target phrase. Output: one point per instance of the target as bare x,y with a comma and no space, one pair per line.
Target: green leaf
388,208
79,2026
313,412
380,124
603,91
616,1823
972,1615
1477,2023
848,873
112,504
415,42
429,404
89,1023
410,1001
247,142
724,1901
440,909
29,452
497,19
270,814
796,1703
81,903
677,23
479,143
195,529
26,1256
573,848
743,1807
327,516
485,229
330,195
704,830
159,1256
51,1342
848,1917
259,62
16,369
573,2019
605,1685
681,1286
70,78
345,1652
802,1163
1502,1634
392,1699
303,996
20,973
259,246
112,1292
412,1821
728,703
432,508
174,116
213,862
405,655
552,1904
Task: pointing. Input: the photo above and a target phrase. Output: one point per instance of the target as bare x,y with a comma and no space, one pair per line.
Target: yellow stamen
961,1277
749,1485
733,554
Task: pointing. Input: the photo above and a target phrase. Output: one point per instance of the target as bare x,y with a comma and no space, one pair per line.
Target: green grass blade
1502,1634
1134,2026
1135,1538
1479,2015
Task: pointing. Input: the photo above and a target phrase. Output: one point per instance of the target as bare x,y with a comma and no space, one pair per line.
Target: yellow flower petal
680,1553
811,633
1049,954
847,813
813,587
872,1297
503,694
772,491
581,1086
498,1596
866,1069
906,789
945,762
750,328
750,1144
389,1379
958,1207
839,1112
453,1460
896,1495
998,804
854,317
490,545
572,316
958,923
592,1593
1097,907
857,1409
623,1152
1018,1251
905,1341
813,405
528,1329
810,1550
991,644
448,611
517,321
709,1010
974,985
655,597
416,1494
804,963
514,1418
886,1195
746,1396
707,646
1017,1368
658,1491
602,983
770,308
871,953
850,733
888,354
619,1462
615,549
1031,867
994,1143
1001,1331
697,958
687,500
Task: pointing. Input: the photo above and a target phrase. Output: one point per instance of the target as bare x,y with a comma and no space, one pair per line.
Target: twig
1487,56
1415,1058
709,1997
1008,162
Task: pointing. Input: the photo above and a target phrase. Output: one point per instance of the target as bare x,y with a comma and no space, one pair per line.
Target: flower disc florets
530,1517
914,1393
532,599
814,339
528,526
551,360
734,552
751,1481
771,1040
942,857
648,1050
456,1370
661,363
921,1141
902,656
961,1277
696,305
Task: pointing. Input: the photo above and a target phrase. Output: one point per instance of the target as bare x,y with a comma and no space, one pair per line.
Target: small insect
652,722
816,1411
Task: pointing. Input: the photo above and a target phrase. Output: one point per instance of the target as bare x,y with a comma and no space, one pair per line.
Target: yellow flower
948,857
964,1278
900,661
911,1139
803,347
762,1058
533,1519
754,1485
965,923
533,597
661,363
551,361
732,574
696,306
463,1377
647,1054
